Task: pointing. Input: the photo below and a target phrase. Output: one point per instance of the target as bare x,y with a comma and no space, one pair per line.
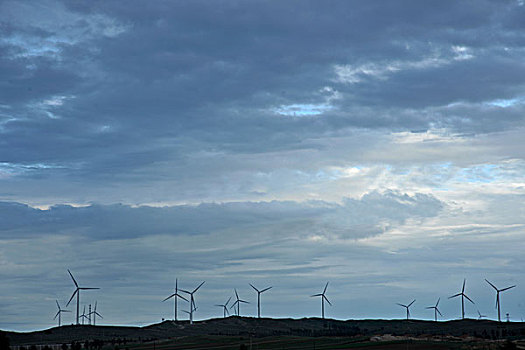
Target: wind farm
259,330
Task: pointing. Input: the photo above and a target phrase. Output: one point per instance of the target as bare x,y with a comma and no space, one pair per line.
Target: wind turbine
436,310
497,296
463,295
224,307
323,298
407,307
77,292
95,314
480,315
83,316
259,292
238,303
59,313
192,300
175,296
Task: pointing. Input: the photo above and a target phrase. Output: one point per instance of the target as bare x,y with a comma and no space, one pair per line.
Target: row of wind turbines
236,305
463,297
192,307
238,301
92,313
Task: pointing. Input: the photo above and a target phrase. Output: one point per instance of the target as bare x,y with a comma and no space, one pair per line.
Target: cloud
353,219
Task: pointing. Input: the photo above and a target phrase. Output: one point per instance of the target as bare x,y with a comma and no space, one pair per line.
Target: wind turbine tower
463,296
238,302
323,298
95,314
77,292
225,307
259,292
407,307
83,316
175,296
192,300
436,310
497,297
59,313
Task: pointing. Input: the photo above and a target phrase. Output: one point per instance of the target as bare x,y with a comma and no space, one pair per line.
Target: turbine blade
401,305
230,298
65,311
57,304
468,298
73,278
244,301
438,301
455,295
200,285
180,296
439,312
265,289
171,296
56,315
413,301
430,307
85,288
185,291
328,301
99,315
493,286
75,292
254,288
504,289
326,286
463,289
236,295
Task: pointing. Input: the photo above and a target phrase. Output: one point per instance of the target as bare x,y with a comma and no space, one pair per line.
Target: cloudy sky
379,146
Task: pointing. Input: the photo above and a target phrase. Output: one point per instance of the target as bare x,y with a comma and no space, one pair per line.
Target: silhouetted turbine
238,303
323,298
225,307
497,296
77,292
59,313
259,292
436,310
175,296
192,300
83,316
407,307
95,313
480,315
463,295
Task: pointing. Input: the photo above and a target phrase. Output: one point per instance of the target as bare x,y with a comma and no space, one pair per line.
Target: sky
375,145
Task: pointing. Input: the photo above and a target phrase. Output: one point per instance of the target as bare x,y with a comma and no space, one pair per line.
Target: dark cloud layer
353,219
116,82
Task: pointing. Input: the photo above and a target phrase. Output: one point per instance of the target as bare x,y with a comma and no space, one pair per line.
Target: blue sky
378,146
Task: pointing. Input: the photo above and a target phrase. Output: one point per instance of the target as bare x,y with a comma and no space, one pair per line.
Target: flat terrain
266,333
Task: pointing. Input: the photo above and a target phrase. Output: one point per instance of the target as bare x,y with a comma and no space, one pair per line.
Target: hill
245,327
